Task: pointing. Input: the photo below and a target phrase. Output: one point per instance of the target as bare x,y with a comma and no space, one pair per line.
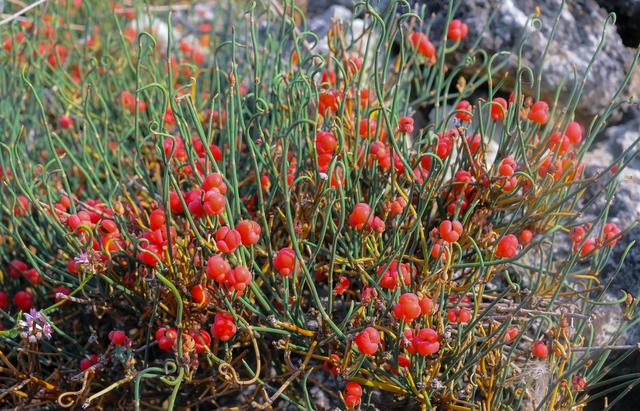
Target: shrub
230,217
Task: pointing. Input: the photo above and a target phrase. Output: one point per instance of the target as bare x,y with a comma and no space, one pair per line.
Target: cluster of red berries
352,394
362,217
610,236
507,246
423,341
410,307
223,329
395,274
562,142
176,152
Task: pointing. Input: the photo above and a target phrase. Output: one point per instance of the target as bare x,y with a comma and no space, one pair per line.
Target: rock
628,22
319,7
320,24
624,210
320,399
616,139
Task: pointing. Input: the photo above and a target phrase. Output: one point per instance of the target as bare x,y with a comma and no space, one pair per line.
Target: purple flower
35,326
82,259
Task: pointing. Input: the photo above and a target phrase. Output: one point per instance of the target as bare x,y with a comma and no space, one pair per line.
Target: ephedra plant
211,206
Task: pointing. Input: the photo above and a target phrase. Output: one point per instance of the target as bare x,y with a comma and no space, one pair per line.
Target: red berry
201,338
238,279
350,401
108,227
147,257
368,295
588,246
331,366
87,363
507,167
512,332
213,203
458,315
540,350
405,125
367,129
611,233
61,290
389,279
450,231
457,30
16,268
249,232
33,276
285,261
367,341
217,268
525,236
360,215
223,327
498,109
444,147
157,219
463,109
117,337
426,306
377,224
424,342
578,233
352,394
422,44
23,300
175,203
4,300
403,361
507,246
227,239
343,285
65,122
214,181
23,207
326,142
474,142
327,100
574,132
265,182
408,307
354,388
199,294
559,142
166,337
396,207
328,77
539,112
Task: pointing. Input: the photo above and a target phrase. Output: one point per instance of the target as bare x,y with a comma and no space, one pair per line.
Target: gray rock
624,211
321,23
616,139
628,23
318,7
